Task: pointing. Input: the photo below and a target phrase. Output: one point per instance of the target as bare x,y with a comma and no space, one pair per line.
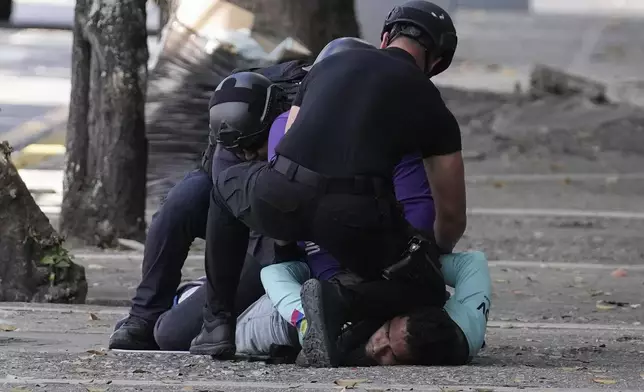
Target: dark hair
431,334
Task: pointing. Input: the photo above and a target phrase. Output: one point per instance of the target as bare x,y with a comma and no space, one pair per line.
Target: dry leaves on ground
604,381
349,384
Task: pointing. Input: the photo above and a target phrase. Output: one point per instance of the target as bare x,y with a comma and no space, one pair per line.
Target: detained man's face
251,155
387,345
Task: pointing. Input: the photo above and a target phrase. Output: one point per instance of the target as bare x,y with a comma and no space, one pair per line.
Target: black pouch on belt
419,265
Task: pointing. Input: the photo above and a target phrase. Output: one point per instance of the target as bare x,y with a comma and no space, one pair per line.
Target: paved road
560,320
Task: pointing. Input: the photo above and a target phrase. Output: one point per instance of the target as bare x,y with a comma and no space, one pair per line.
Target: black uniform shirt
362,110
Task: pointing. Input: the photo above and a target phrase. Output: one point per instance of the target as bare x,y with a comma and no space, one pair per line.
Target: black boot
134,334
326,312
217,339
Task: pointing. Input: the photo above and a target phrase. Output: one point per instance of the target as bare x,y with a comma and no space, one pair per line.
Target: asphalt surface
556,223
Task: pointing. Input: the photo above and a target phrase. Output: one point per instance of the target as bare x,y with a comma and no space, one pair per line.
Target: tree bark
34,266
312,22
105,171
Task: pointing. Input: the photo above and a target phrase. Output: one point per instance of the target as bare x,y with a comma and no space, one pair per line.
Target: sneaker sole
315,344
218,351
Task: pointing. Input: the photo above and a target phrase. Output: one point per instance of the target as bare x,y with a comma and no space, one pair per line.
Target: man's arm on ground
446,175
469,307
282,283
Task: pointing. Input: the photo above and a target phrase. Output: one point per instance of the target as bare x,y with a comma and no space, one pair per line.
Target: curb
36,128
37,139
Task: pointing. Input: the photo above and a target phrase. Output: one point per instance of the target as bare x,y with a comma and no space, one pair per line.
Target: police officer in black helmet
356,114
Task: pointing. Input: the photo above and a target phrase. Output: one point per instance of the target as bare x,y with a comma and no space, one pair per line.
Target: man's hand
446,175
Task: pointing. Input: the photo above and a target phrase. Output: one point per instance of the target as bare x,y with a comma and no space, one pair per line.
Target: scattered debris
627,338
604,381
7,328
93,317
96,352
350,384
617,303
619,273
595,293
609,305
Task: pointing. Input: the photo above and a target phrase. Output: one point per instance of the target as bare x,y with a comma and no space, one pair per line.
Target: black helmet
242,109
340,45
422,20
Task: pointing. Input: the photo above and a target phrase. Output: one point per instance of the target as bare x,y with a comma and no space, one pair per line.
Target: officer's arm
291,117
297,101
441,150
446,176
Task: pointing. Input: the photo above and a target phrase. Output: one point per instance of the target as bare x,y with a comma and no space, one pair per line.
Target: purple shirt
412,191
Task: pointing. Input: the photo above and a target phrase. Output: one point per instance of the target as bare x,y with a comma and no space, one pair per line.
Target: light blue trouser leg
283,283
259,327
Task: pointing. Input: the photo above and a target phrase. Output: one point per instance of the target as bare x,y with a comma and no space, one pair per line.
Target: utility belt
357,185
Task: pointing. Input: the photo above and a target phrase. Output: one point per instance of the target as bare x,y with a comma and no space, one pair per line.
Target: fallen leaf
7,328
96,352
137,371
617,303
500,281
601,305
570,369
483,390
349,384
187,388
499,184
642,375
19,389
605,381
556,166
93,317
619,273
96,389
595,293
567,181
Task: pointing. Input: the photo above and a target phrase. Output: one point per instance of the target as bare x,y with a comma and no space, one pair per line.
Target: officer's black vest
286,75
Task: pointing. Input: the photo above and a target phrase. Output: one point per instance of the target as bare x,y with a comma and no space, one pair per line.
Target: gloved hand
288,252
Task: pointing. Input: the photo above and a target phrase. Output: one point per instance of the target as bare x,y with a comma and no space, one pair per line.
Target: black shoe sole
217,350
316,345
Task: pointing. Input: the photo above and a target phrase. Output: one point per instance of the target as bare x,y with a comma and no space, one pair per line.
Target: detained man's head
420,338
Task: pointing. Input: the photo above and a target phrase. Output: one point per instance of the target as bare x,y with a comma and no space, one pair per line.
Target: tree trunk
312,22
33,264
105,172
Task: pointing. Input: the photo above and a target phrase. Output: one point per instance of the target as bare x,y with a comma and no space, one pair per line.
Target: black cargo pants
359,224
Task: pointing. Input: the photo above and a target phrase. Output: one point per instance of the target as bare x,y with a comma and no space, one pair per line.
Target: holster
419,265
